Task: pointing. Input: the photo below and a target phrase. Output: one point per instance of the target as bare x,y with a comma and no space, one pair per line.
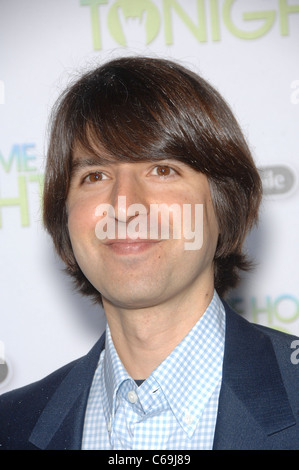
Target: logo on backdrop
5,367
20,177
280,312
278,180
4,373
136,19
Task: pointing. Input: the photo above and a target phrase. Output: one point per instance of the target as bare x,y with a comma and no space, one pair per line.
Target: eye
163,170
94,177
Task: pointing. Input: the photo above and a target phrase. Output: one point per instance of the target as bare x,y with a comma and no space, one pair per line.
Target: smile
129,246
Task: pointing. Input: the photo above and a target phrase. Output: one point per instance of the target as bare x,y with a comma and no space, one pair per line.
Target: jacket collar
248,382
252,392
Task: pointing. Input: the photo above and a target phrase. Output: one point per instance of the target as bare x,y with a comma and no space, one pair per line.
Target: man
176,367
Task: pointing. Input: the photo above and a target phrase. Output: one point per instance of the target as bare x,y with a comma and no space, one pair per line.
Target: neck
144,337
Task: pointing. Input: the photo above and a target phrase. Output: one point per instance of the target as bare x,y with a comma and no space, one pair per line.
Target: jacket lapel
253,402
60,425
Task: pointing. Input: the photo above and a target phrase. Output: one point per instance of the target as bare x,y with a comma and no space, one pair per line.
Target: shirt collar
186,378
114,374
191,373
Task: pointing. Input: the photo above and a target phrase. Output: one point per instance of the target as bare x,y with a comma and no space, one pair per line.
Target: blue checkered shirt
174,408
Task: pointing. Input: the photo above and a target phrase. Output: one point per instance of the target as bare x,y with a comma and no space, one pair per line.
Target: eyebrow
81,163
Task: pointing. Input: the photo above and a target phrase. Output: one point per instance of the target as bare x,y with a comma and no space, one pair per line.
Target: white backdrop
248,49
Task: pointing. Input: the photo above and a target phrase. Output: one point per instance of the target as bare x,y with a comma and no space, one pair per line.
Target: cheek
204,221
81,220
210,225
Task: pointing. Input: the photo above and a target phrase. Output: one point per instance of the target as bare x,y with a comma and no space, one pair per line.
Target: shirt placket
155,407
133,424
127,411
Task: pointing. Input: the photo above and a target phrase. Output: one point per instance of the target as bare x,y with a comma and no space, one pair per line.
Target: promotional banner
247,49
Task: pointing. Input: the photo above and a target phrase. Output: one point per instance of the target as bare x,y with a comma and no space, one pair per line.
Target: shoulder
278,338
286,348
21,408
41,388
283,343
263,345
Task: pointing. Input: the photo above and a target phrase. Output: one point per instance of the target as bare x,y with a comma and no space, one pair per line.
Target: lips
129,241
130,246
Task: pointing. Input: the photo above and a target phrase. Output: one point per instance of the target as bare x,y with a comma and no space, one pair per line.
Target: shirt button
188,418
109,425
132,396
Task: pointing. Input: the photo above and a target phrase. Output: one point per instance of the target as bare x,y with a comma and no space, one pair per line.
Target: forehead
92,149
94,153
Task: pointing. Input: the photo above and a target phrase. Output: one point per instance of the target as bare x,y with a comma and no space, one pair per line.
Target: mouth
130,246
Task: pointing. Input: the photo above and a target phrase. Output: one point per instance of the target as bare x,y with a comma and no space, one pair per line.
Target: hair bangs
131,119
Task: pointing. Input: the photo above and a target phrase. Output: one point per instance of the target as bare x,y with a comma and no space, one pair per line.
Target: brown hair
142,108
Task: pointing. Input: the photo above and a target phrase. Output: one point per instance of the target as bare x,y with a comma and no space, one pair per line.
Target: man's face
123,252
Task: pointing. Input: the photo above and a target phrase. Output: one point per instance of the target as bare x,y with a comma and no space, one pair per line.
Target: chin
133,300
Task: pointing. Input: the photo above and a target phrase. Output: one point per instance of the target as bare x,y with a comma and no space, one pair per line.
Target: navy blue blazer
258,404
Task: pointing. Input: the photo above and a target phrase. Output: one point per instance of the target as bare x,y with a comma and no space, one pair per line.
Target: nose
128,196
